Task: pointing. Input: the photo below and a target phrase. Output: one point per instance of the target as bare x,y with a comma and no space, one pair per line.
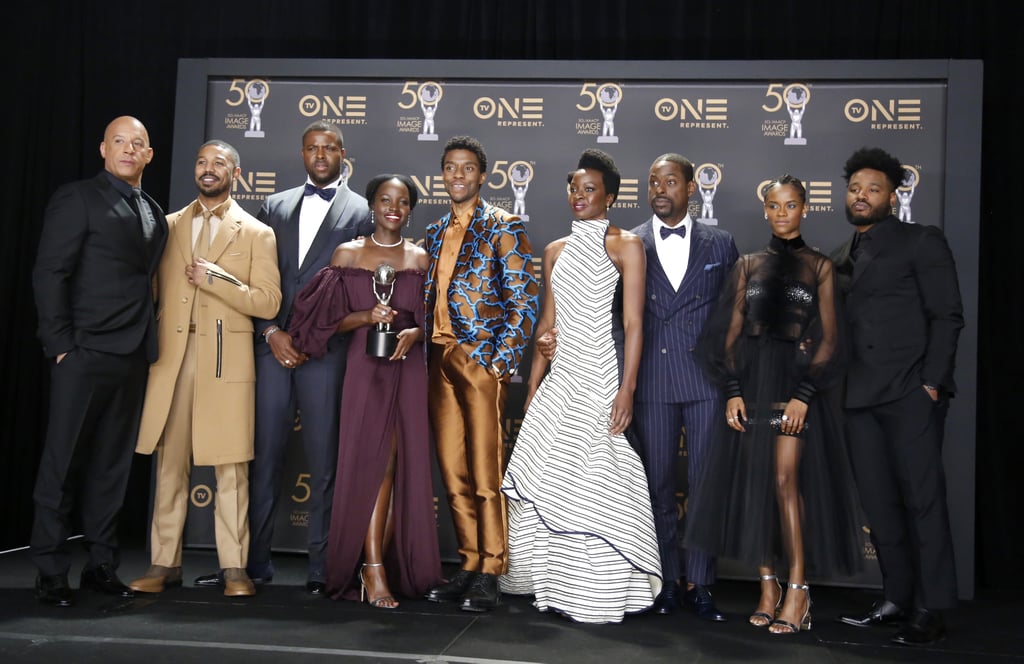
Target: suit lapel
655,271
226,233
700,245
288,234
323,234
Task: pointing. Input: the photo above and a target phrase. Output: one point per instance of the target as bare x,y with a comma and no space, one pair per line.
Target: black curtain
76,65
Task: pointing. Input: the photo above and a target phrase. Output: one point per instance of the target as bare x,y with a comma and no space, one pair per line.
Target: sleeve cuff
805,391
732,388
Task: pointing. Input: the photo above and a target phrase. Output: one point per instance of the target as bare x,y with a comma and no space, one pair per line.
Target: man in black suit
903,307
309,222
101,242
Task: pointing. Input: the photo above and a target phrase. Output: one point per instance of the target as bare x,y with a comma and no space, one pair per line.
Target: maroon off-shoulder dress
381,401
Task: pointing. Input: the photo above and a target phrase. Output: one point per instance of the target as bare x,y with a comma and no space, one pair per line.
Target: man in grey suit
309,222
687,263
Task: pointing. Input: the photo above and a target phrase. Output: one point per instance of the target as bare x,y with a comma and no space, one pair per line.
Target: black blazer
903,309
93,276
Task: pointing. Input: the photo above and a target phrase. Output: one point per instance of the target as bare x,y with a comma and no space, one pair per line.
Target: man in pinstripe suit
687,263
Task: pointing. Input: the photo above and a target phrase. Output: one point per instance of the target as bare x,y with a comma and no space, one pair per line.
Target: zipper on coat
220,343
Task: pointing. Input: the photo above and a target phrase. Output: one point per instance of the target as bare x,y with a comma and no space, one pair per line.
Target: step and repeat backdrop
741,124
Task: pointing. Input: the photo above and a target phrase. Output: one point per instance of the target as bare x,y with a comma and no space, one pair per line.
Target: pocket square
711,266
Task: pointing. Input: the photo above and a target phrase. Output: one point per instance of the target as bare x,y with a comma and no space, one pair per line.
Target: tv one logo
883,110
516,108
711,110
342,106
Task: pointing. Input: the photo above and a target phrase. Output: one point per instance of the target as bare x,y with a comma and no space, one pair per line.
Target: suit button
664,351
184,300
180,328
653,296
698,297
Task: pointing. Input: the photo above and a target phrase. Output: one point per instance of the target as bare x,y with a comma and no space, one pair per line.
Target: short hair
685,164
325,126
876,159
790,180
227,147
377,180
466,143
602,162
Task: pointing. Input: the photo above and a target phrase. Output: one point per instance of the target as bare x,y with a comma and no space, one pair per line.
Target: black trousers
896,453
95,407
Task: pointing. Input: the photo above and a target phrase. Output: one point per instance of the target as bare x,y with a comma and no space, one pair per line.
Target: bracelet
269,332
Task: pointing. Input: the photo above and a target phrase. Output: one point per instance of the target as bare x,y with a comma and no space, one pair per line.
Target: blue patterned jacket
492,297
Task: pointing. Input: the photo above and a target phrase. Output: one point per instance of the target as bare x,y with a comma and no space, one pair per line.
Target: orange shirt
446,257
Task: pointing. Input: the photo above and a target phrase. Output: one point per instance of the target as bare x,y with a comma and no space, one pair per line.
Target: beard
876,215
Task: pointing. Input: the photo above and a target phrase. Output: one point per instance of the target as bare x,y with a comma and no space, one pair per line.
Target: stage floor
283,625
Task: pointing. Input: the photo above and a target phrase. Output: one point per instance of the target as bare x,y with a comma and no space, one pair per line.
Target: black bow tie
679,230
326,194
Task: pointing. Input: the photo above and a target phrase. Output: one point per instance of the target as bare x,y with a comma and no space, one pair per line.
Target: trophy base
254,134
710,221
426,137
795,141
381,343
607,139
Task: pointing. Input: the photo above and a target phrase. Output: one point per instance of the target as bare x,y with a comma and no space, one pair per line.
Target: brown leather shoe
157,579
237,583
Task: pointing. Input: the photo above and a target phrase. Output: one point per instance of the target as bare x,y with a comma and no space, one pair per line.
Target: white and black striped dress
581,531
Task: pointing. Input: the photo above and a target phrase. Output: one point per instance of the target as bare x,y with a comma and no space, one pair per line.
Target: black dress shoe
54,590
215,580
482,594
924,628
103,578
316,588
699,600
454,589
881,613
667,600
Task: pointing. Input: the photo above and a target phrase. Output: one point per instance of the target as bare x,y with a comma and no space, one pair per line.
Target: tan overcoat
243,282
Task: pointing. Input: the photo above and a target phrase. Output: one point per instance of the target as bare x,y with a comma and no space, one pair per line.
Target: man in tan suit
219,269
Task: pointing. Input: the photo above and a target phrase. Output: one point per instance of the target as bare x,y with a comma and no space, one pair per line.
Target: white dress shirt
673,251
311,215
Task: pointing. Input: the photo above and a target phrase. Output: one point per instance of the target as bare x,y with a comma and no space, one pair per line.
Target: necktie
145,214
326,194
679,230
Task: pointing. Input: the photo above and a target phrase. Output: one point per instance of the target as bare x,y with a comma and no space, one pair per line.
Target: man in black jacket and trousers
902,303
93,279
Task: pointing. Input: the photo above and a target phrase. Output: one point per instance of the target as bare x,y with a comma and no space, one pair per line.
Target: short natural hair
602,162
466,143
324,126
876,159
227,147
685,164
377,180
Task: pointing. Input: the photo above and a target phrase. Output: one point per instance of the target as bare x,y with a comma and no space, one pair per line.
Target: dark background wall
71,67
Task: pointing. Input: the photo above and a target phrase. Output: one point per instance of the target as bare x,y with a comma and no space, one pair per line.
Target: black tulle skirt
734,513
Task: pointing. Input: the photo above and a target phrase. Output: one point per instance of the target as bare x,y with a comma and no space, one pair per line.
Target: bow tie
326,194
679,230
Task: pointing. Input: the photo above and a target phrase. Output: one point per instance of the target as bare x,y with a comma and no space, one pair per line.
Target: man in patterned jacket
481,305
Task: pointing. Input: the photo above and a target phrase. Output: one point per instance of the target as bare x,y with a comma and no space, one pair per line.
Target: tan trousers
466,403
173,468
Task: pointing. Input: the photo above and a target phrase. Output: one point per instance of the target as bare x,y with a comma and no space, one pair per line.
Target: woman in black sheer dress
778,484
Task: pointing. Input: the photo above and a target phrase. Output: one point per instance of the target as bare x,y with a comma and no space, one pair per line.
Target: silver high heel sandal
761,615
805,622
375,603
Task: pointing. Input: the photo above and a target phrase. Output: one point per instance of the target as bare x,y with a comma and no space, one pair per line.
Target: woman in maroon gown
382,521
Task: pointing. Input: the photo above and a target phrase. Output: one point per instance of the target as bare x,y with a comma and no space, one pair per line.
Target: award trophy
382,341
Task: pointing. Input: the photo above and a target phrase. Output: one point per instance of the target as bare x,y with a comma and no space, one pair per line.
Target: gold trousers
466,403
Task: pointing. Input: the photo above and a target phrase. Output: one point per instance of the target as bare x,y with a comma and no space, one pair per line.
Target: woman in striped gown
581,531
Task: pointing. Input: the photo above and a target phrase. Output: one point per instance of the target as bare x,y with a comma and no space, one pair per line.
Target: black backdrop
76,65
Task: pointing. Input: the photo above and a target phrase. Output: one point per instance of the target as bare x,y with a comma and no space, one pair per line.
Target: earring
372,222
766,216
408,220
